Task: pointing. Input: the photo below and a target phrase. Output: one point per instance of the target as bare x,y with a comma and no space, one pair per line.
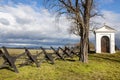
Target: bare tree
80,12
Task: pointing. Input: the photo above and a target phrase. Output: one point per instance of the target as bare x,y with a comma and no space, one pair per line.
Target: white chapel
105,39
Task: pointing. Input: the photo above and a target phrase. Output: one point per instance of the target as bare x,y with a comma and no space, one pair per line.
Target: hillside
100,67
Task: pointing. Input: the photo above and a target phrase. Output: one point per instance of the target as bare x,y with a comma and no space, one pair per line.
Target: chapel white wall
111,37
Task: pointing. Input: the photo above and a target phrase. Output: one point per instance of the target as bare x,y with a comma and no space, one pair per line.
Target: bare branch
68,7
80,12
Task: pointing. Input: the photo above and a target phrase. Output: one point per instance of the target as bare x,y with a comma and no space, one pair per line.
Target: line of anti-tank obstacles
10,60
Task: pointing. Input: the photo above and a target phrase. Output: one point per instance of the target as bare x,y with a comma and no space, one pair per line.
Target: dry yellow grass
19,51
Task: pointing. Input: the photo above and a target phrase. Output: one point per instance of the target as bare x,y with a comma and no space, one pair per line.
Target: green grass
100,67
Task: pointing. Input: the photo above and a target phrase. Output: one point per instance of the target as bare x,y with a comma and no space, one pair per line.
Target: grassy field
100,67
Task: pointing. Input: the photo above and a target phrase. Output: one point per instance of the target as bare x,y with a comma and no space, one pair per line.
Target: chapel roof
105,28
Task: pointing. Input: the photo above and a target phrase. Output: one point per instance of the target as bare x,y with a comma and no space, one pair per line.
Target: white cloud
27,23
22,25
109,18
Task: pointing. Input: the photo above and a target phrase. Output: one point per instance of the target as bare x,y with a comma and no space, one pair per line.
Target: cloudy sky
28,23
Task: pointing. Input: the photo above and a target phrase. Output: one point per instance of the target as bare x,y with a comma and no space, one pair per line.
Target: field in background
100,67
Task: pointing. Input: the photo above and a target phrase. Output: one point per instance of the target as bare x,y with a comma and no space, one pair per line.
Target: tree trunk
84,47
85,32
88,45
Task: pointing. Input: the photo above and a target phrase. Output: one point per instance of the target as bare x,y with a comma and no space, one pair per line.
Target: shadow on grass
91,52
7,68
108,58
71,60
